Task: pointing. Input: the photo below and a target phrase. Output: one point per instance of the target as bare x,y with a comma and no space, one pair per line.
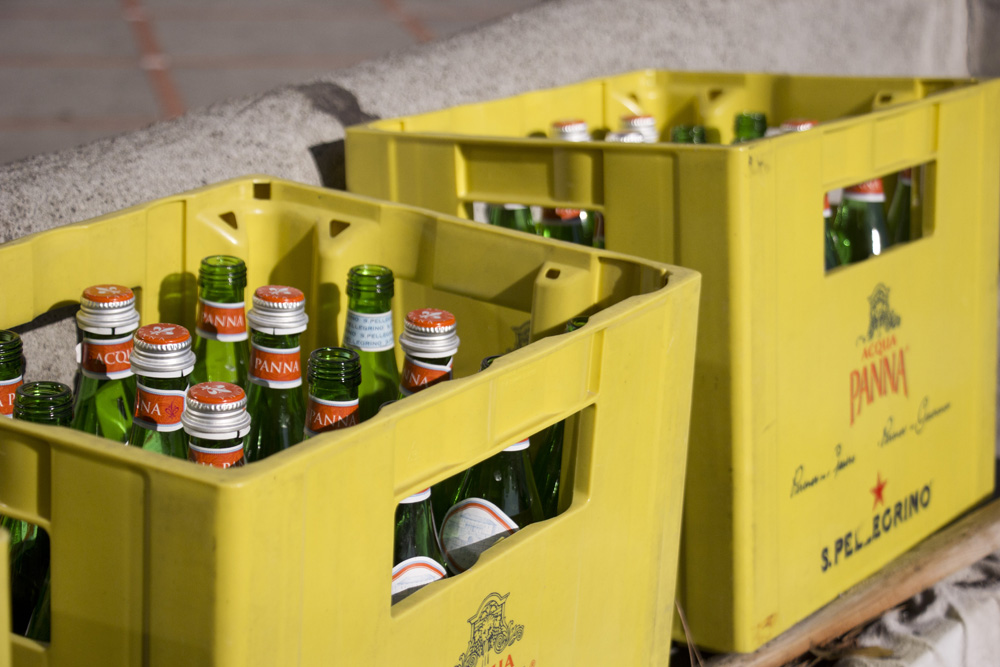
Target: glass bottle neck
369,303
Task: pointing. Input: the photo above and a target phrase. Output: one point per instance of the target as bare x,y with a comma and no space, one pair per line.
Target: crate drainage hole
337,226
552,273
261,190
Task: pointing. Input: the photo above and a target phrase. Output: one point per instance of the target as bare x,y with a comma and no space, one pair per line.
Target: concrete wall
288,132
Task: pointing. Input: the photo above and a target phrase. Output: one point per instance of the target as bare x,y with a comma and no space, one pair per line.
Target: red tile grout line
154,62
412,24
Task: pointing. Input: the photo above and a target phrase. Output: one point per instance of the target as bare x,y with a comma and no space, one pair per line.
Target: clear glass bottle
568,224
416,553
40,403
547,466
334,374
11,370
216,422
496,498
748,126
220,346
369,330
860,222
274,400
105,400
162,361
430,343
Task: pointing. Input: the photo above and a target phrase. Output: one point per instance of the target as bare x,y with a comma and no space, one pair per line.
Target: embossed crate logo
490,632
881,317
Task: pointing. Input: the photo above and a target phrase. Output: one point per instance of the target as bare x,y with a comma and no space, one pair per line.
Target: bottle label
870,191
159,409
906,177
278,369
323,415
369,332
7,390
419,375
230,457
222,321
106,359
415,573
470,528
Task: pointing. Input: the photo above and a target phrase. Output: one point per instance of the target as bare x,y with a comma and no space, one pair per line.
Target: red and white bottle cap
644,124
870,191
429,332
798,124
107,310
571,130
162,350
216,411
278,310
826,206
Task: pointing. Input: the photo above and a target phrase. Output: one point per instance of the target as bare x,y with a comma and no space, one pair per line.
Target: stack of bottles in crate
232,395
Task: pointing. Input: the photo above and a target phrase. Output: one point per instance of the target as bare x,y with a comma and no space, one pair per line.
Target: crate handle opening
552,274
230,219
337,226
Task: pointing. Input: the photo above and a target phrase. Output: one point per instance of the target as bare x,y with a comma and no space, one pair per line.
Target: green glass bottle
40,403
860,222
898,218
748,126
11,370
334,375
429,343
162,361
511,216
688,134
220,346
568,224
105,400
416,553
274,400
215,420
369,330
831,258
644,125
496,498
547,466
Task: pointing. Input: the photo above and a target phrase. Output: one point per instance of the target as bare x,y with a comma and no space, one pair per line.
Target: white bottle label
369,332
414,573
471,527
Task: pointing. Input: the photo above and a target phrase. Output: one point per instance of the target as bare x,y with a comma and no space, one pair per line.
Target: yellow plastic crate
782,503
161,562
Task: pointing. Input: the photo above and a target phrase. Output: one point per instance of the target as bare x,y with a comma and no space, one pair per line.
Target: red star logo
877,490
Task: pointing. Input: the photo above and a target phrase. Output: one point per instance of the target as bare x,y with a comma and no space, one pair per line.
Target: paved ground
76,70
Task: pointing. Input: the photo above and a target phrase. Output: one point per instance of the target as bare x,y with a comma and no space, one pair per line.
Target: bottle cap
826,205
869,191
628,137
571,130
278,310
162,350
798,124
107,310
216,411
416,497
688,134
429,332
644,124
750,123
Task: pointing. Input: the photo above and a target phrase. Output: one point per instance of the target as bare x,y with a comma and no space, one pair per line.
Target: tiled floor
72,71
